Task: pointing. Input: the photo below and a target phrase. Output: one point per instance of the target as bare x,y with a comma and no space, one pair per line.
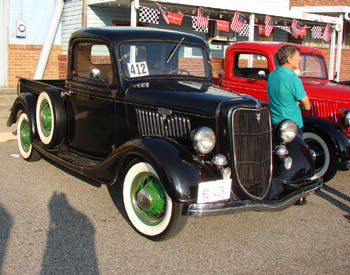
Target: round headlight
346,119
204,140
288,130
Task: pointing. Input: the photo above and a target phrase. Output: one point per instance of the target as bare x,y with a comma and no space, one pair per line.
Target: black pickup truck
139,108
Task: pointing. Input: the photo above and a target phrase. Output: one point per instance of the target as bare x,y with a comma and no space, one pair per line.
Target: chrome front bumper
212,209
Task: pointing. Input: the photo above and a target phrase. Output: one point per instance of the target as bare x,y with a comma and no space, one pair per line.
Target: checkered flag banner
149,15
316,31
195,26
284,28
244,30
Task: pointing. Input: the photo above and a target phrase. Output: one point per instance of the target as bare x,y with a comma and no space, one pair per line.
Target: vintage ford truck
326,125
139,108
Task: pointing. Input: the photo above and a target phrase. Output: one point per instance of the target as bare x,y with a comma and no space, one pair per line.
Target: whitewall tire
148,206
325,161
24,139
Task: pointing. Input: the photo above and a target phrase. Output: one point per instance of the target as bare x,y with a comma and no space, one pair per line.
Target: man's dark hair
286,51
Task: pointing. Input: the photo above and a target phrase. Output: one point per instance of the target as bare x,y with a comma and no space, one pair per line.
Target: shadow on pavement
116,193
5,228
333,200
72,173
70,245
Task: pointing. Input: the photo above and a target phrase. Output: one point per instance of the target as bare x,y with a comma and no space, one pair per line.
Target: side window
93,61
253,66
312,66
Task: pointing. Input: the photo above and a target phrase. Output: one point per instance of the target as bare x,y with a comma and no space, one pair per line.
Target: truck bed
37,86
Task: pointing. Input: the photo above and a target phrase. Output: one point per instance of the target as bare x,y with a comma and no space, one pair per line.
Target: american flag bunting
296,28
237,22
327,33
202,19
195,27
268,25
164,12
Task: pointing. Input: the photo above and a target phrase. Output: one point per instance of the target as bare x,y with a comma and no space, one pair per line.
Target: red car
326,126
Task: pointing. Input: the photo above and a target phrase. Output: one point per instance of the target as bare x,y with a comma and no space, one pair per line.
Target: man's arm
305,104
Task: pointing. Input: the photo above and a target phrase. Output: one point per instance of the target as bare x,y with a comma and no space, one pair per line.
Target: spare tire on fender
51,118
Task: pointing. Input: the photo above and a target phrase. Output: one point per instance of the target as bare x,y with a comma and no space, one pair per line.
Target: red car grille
325,110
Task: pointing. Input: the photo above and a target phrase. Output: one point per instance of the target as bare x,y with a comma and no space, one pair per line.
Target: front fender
177,167
27,103
331,134
302,167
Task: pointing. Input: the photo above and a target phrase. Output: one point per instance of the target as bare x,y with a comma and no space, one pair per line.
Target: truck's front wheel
149,208
325,160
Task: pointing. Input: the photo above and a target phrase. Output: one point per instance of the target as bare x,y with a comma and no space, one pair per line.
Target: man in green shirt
285,89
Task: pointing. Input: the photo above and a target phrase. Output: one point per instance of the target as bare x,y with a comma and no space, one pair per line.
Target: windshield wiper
174,50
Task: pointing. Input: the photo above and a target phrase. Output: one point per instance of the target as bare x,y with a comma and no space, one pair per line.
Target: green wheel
149,208
50,118
24,139
45,118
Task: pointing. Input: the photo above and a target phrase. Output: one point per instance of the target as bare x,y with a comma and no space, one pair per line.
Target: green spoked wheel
24,139
149,208
148,198
45,118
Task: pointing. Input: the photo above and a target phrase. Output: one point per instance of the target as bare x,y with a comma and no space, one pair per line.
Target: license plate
211,191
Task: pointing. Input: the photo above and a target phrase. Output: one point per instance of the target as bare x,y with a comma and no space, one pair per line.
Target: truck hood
327,90
184,96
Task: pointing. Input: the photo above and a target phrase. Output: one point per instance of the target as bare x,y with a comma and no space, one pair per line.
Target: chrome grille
152,123
252,150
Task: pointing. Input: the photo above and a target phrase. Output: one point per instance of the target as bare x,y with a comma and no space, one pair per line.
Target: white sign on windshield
138,69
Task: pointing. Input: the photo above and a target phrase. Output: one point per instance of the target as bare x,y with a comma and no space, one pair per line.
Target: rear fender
331,134
27,103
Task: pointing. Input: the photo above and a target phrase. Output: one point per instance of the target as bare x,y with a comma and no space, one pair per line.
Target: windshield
311,66
139,59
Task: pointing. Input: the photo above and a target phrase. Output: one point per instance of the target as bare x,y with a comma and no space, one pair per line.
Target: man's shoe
301,201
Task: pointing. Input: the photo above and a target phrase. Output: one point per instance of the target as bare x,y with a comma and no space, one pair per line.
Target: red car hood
327,90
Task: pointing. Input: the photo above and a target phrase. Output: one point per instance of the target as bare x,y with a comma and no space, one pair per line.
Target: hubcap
149,199
317,155
144,199
46,118
25,137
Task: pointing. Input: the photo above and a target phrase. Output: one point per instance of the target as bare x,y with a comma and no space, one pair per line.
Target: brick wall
345,63
23,60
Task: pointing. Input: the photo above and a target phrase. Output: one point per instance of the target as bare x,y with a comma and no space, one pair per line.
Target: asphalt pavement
53,222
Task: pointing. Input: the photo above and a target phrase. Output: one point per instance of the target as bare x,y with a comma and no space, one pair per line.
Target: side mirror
262,74
95,74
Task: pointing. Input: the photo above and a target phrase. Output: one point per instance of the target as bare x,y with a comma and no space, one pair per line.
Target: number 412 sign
138,69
